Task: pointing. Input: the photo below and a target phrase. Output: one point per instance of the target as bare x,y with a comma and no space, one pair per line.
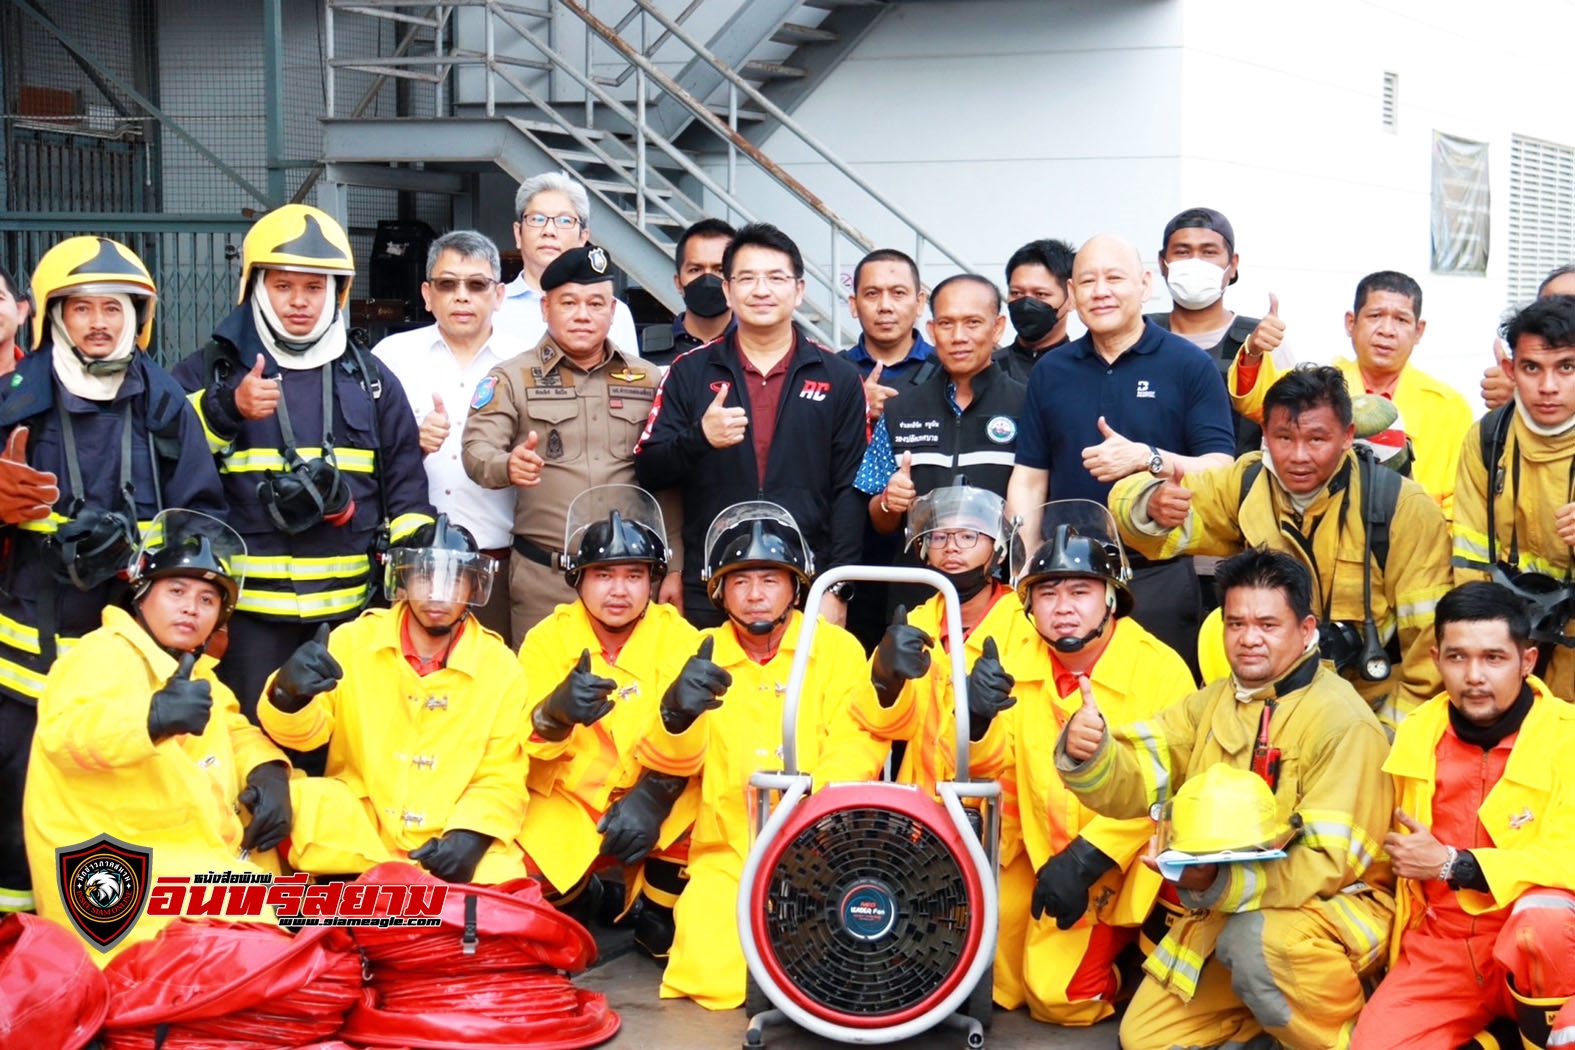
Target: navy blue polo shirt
1163,391
920,352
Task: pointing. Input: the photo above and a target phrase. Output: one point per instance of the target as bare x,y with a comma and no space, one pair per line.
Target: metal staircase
662,126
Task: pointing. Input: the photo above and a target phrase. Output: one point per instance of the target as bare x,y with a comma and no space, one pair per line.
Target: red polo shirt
764,391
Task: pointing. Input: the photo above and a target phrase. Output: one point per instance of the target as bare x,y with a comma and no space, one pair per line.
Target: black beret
587,264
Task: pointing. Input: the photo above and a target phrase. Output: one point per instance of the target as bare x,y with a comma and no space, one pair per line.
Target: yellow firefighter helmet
93,266
301,238
1223,808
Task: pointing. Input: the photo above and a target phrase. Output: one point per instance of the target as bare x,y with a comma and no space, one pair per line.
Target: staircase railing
638,159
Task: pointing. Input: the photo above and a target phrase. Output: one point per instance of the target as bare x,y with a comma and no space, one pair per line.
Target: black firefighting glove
631,825
181,706
267,795
580,699
697,689
989,691
903,654
453,855
310,670
1063,883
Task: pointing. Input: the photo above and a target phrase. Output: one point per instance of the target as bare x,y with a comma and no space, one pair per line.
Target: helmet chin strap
761,628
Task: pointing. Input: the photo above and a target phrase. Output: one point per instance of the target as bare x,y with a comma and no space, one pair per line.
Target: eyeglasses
473,285
538,220
962,539
775,279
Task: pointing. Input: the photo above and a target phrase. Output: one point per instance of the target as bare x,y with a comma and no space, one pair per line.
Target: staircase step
609,186
657,218
544,127
757,70
793,33
744,115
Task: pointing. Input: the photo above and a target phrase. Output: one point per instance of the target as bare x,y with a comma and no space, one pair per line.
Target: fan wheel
867,912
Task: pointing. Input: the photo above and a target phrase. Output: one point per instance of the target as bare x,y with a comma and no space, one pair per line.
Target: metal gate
195,264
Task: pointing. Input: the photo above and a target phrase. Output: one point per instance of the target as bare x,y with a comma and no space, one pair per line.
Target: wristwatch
1156,462
843,591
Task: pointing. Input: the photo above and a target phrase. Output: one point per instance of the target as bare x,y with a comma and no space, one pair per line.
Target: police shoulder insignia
1001,429
484,393
627,375
598,260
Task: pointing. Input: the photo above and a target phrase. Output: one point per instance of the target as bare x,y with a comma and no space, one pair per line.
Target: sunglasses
473,285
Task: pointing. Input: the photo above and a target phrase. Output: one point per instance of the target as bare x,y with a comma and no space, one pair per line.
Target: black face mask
703,296
1033,319
969,582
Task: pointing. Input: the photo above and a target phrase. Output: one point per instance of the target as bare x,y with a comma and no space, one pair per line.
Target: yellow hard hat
93,266
301,238
1224,808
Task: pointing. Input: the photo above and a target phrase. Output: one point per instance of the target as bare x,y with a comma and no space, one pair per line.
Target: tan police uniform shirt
586,423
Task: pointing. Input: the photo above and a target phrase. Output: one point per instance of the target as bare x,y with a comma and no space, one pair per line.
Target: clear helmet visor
190,540
596,504
746,513
1082,517
954,507
426,574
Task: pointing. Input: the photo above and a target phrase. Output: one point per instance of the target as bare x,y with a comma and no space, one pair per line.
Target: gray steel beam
738,38
406,180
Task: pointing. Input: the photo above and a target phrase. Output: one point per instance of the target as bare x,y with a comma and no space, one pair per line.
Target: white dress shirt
426,366
520,318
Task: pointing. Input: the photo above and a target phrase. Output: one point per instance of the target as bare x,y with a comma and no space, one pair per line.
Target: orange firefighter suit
1455,951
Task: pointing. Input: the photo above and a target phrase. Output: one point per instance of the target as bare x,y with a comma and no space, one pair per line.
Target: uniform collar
160,663
920,351
1228,725
519,289
552,356
729,653
465,656
1414,752
639,648
1150,340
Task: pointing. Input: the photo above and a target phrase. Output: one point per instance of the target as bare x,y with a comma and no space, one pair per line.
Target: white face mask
1195,283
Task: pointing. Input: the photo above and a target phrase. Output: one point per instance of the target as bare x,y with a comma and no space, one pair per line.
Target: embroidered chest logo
1001,429
1144,390
815,389
554,445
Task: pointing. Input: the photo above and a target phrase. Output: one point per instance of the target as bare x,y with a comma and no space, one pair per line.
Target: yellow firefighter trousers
1286,971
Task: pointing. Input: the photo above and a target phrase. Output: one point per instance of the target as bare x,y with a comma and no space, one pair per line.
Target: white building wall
1281,130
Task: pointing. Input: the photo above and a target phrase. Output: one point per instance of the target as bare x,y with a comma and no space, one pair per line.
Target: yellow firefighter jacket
94,769
1522,518
425,754
1529,814
925,712
1328,539
1332,750
573,781
745,734
1435,415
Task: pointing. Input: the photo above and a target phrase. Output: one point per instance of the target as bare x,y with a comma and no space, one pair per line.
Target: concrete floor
630,981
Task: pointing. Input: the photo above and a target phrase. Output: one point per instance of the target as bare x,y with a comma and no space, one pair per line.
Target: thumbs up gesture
1085,730
1115,456
697,689
181,706
1415,854
580,699
900,493
256,397
1270,333
989,690
1498,384
26,494
903,654
525,463
723,427
310,670
875,394
1169,504
434,426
